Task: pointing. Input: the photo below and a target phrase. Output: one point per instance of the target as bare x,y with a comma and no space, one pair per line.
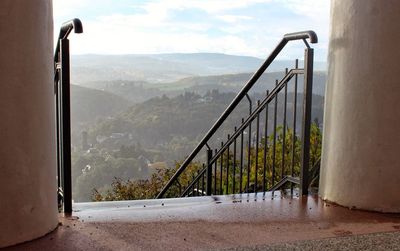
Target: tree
149,188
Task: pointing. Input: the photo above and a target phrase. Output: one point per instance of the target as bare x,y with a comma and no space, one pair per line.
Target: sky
238,27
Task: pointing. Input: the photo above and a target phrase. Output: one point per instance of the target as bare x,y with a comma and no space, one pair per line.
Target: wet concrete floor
208,223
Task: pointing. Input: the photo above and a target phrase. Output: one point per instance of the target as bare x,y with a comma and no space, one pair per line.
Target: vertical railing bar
198,187
66,125
59,135
274,140
307,102
221,167
265,144
249,159
202,183
189,192
215,174
284,130
249,149
294,124
60,131
234,166
193,186
188,187
209,173
256,154
241,160
56,92
227,169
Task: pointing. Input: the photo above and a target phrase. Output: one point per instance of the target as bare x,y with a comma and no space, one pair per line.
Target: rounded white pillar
361,145
28,201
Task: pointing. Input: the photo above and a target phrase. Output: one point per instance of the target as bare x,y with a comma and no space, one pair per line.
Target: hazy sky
239,27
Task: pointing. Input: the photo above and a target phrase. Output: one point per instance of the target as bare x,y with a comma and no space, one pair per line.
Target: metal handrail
62,103
303,35
191,184
66,28
270,96
252,116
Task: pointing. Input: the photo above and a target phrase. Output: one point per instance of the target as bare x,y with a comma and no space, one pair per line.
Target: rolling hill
156,68
139,91
87,105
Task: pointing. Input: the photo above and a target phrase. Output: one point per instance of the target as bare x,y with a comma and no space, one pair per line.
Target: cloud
65,8
243,27
233,18
310,8
210,6
116,39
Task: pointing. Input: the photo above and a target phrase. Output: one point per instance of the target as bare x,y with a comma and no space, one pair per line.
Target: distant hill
155,68
87,105
173,126
134,91
234,82
139,91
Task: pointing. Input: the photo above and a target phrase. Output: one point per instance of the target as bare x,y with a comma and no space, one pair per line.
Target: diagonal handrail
191,184
270,96
303,35
253,115
283,181
314,174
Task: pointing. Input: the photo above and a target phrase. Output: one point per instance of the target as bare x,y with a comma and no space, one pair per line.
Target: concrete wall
28,202
361,145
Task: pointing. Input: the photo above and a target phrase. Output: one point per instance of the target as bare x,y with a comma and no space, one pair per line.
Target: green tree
290,152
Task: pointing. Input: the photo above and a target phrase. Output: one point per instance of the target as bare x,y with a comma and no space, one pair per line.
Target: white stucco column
28,201
361,145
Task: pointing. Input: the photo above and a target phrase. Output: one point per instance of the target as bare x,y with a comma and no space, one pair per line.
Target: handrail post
65,123
63,112
305,136
209,172
60,181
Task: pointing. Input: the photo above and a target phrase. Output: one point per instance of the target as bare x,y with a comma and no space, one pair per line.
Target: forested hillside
133,115
89,104
158,132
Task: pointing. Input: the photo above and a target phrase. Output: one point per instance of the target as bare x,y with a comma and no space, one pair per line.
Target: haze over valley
132,113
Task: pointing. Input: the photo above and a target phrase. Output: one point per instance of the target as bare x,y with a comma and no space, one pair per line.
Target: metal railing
63,112
219,173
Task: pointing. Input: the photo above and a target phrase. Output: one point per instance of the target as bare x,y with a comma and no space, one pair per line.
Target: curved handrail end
302,35
77,24
73,24
66,28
